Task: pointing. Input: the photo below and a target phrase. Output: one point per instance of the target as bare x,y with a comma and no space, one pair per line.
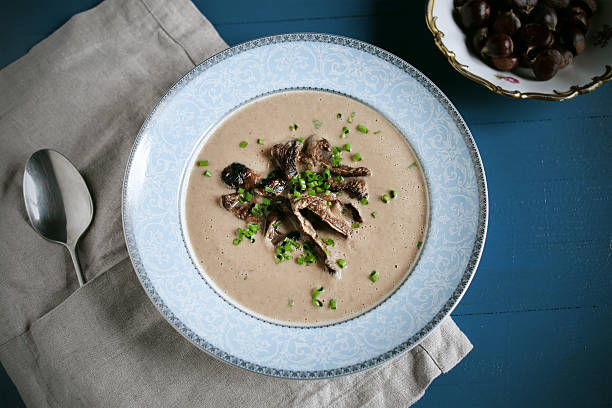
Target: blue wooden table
538,311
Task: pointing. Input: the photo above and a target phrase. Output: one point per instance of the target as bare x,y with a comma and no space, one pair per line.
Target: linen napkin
85,91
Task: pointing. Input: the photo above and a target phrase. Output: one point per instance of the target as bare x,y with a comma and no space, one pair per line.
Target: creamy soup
387,241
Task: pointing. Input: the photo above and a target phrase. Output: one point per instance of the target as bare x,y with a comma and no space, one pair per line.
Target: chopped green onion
329,204
419,244
240,190
374,214
203,163
246,277
291,303
327,192
356,157
207,173
345,130
300,139
350,119
341,263
339,178
297,194
244,144
336,150
339,116
317,123
355,225
414,164
328,241
393,193
293,127
362,129
374,276
348,147
377,132
276,224
315,294
385,198
364,201
268,189
248,196
236,241
311,192
267,201
260,141
332,304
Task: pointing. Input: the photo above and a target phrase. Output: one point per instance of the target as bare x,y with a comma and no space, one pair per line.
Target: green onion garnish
244,144
203,163
240,190
276,224
260,141
347,147
356,157
246,277
291,303
393,193
246,233
377,132
315,294
297,194
374,276
339,178
329,204
341,263
350,119
332,304
311,192
414,164
339,115
419,244
293,127
268,189
328,241
236,241
207,173
385,198
317,123
364,201
362,129
355,225
248,196
300,139
345,130
374,214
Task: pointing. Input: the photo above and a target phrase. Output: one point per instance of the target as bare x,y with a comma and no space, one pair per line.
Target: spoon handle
77,264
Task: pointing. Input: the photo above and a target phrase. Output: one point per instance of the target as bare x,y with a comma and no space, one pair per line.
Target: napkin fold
85,91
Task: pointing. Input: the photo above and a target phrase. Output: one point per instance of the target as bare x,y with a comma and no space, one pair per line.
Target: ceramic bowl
587,72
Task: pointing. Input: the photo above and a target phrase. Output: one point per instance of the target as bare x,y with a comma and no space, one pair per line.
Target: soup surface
388,242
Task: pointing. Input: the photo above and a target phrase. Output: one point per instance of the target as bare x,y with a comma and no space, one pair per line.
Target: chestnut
524,6
590,6
498,45
545,15
474,13
505,63
478,38
565,54
557,3
536,35
507,23
578,17
547,64
573,38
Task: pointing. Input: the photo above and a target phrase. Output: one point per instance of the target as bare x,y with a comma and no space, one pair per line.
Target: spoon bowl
57,201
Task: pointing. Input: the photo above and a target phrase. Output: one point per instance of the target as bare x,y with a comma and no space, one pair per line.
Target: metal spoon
57,200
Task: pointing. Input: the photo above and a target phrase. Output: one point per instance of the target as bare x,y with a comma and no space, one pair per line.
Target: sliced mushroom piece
318,206
286,156
273,185
237,175
317,154
356,188
243,211
325,255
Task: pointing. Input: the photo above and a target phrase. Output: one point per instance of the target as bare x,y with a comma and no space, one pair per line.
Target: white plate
158,164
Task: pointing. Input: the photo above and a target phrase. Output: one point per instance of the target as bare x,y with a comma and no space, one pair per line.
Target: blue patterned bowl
152,200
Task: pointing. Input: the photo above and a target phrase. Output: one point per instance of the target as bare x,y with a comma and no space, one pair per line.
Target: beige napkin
85,91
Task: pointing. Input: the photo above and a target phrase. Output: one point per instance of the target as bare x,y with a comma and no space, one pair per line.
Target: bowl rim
572,92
